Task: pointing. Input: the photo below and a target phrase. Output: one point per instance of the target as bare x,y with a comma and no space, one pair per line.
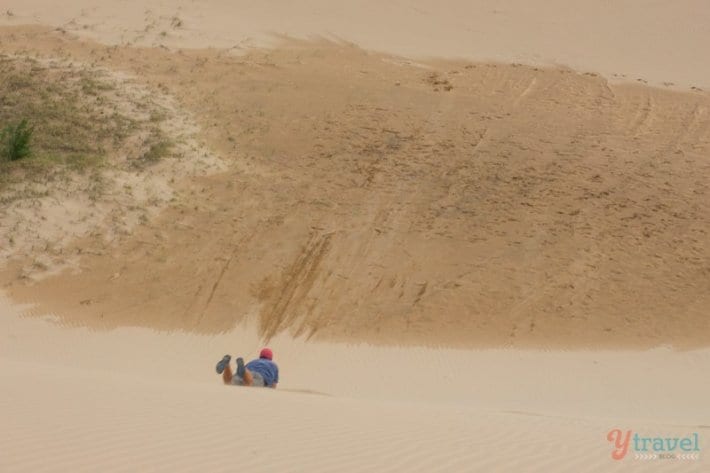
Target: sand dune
385,201
473,234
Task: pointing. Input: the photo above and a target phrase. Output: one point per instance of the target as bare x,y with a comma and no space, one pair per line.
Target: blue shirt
266,368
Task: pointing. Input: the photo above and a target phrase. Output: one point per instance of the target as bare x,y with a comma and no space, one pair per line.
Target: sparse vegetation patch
15,141
58,121
157,150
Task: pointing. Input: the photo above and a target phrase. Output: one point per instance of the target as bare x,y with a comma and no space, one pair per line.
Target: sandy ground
557,217
159,406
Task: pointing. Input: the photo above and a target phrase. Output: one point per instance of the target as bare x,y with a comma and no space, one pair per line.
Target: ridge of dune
659,42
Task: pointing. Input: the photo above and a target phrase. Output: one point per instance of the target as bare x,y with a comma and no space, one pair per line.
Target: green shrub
157,151
15,141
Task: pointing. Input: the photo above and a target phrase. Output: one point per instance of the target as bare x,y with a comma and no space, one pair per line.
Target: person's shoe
240,367
223,363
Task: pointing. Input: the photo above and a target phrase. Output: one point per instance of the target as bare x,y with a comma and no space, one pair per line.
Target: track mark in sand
421,292
695,126
194,300
296,283
216,283
689,130
609,92
225,264
196,297
306,391
643,117
686,128
480,140
525,92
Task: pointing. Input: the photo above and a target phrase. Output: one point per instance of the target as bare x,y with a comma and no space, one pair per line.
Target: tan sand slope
134,400
374,199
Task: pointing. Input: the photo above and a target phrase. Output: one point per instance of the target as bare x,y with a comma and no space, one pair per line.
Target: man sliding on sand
261,372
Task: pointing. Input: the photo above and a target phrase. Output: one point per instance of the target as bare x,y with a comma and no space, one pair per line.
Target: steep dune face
374,199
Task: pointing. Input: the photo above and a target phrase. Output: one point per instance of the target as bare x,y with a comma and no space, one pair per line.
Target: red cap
266,353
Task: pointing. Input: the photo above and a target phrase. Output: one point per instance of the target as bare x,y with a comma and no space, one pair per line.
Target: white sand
136,400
